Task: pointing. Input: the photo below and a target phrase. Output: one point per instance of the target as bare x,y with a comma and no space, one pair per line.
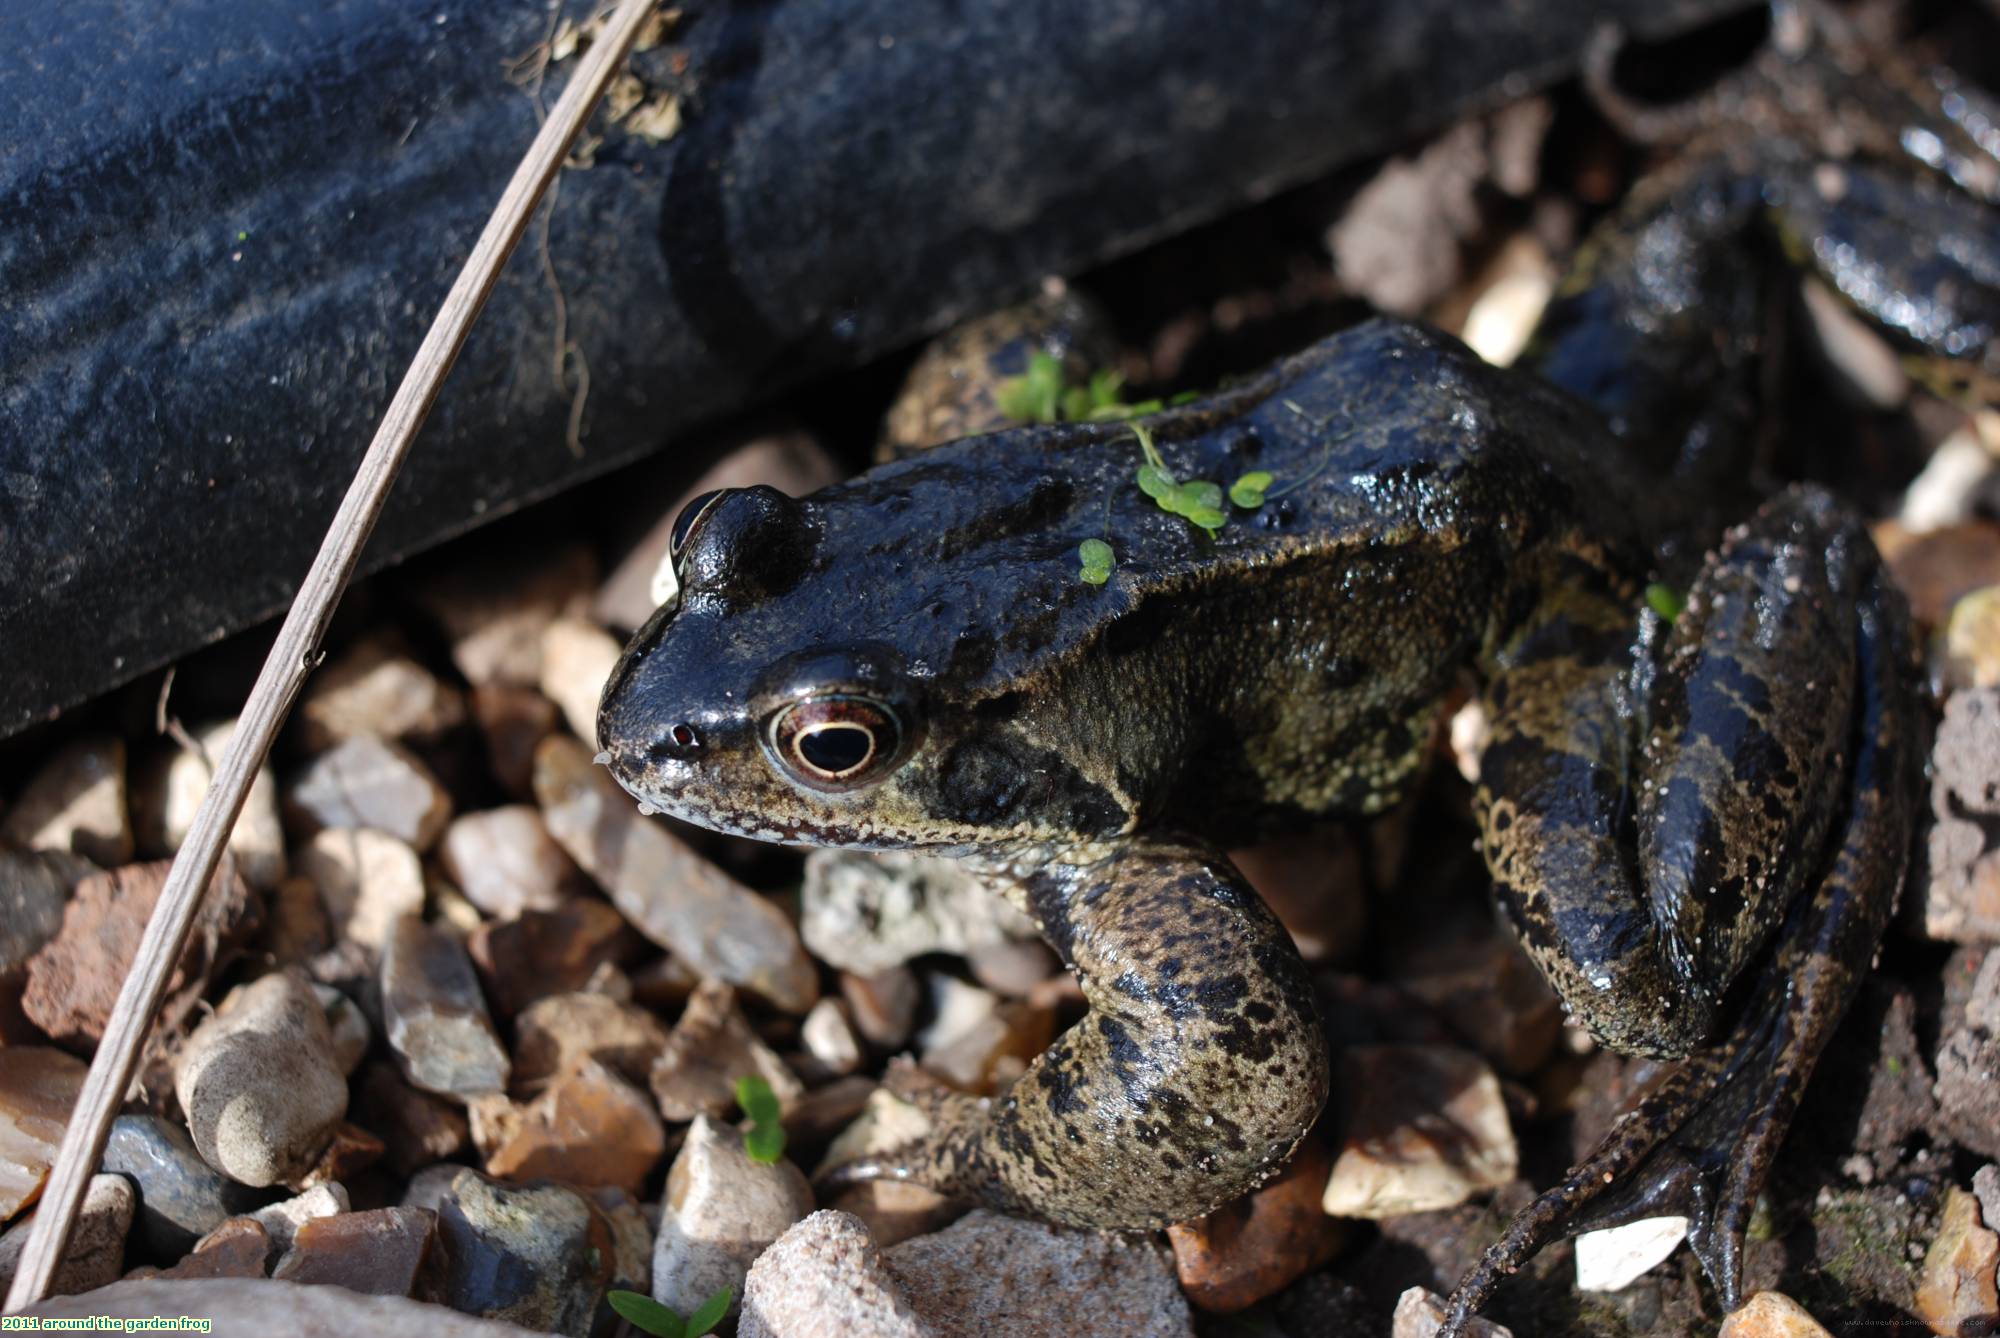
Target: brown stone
505,862
298,929
514,721
548,952
73,981
1427,1130
382,1252
577,658
1263,1242
590,1128
1771,1315
75,802
1939,567
371,782
349,1152
885,1004
1489,992
1957,1294
375,689
434,1017
711,1046
416,1128
239,1248
825,1111
553,1034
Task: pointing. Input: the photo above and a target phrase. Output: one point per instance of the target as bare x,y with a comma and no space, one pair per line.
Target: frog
1696,812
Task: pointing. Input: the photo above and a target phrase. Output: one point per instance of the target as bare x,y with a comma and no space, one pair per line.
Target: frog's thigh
1643,873
1199,1067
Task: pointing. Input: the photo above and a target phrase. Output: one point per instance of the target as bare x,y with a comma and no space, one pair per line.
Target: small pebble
589,1127
238,1248
348,1026
73,981
825,1277
38,1086
367,880
894,1211
505,862
1428,1130
1487,990
884,1004
297,928
668,892
577,659
1315,883
1771,1315
348,1153
1937,568
168,793
544,953
981,1044
495,611
281,1220
710,1047
1419,1313
181,1197
824,1111
720,1210
829,1038
95,1255
1972,640
1012,968
1960,474
1613,1259
1960,902
33,890
416,1128
381,1252
375,690
513,721
1957,1291
556,1033
434,1016
866,912
261,1084
539,1256
75,802
1263,1242
371,782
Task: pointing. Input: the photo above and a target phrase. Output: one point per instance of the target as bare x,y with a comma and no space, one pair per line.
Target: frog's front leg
1197,1070
1652,864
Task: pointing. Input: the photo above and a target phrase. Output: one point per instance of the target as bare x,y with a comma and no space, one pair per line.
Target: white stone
577,660
1613,1259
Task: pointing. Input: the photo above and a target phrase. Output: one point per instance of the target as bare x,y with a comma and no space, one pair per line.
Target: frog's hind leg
1797,592
1197,1070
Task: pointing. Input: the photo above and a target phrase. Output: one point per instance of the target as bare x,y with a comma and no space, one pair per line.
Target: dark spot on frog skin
993,779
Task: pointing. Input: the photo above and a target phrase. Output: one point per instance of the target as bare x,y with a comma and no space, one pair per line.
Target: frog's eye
836,742
689,521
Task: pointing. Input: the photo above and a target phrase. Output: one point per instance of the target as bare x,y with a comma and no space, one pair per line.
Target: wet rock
577,658
282,1220
1771,1315
545,953
1315,883
1968,1064
1263,1242
893,1211
1613,1259
1972,640
375,690
416,1128
793,462
866,912
535,1255
381,1252
261,1084
668,892
33,888
1960,900
1428,1130
505,862
75,802
824,1277
95,1255
181,1197
513,721
1939,567
38,1087
560,1031
73,981
371,782
711,1046
434,1016
244,1306
884,1004
168,793
829,1038
589,1127
1419,1313
1957,1294
981,1044
239,1248
989,1274
720,1210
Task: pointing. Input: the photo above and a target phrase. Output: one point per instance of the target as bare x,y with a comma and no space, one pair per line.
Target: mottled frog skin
1697,827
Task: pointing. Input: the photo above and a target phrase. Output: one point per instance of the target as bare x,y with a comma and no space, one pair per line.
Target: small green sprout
765,1138
1096,557
1665,601
1043,395
1037,396
1248,491
1198,501
644,1313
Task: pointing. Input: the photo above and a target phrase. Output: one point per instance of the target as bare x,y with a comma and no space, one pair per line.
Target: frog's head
821,679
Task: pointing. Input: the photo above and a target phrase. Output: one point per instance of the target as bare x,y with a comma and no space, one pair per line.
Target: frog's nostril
682,741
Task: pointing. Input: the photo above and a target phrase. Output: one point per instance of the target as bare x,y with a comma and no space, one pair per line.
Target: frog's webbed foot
1784,690
1197,1070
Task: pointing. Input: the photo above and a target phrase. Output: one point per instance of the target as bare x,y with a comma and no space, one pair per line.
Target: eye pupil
685,736
685,522
836,748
